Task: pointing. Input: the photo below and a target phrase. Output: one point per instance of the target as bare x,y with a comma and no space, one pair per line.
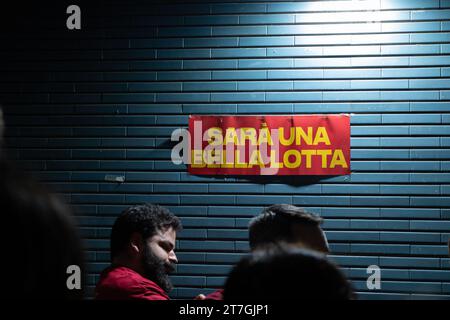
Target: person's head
286,272
290,224
143,238
44,242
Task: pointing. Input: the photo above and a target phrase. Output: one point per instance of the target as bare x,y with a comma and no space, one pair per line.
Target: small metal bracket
114,178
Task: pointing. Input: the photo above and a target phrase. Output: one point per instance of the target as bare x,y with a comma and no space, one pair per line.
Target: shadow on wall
295,181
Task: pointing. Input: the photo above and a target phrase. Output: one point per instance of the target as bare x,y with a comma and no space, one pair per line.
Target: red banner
270,145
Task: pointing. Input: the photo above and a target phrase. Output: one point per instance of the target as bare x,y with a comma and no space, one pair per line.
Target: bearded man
142,255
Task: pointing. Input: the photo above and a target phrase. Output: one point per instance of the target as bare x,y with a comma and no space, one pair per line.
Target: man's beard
157,270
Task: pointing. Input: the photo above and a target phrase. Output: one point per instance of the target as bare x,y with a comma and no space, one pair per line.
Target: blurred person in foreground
45,245
45,242
280,272
283,223
142,254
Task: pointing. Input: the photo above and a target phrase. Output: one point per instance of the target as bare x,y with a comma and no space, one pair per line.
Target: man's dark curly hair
145,219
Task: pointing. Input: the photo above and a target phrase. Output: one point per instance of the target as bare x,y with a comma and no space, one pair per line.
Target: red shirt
216,295
122,283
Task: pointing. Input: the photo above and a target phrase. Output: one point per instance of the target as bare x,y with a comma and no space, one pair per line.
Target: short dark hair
286,273
46,243
145,219
275,223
